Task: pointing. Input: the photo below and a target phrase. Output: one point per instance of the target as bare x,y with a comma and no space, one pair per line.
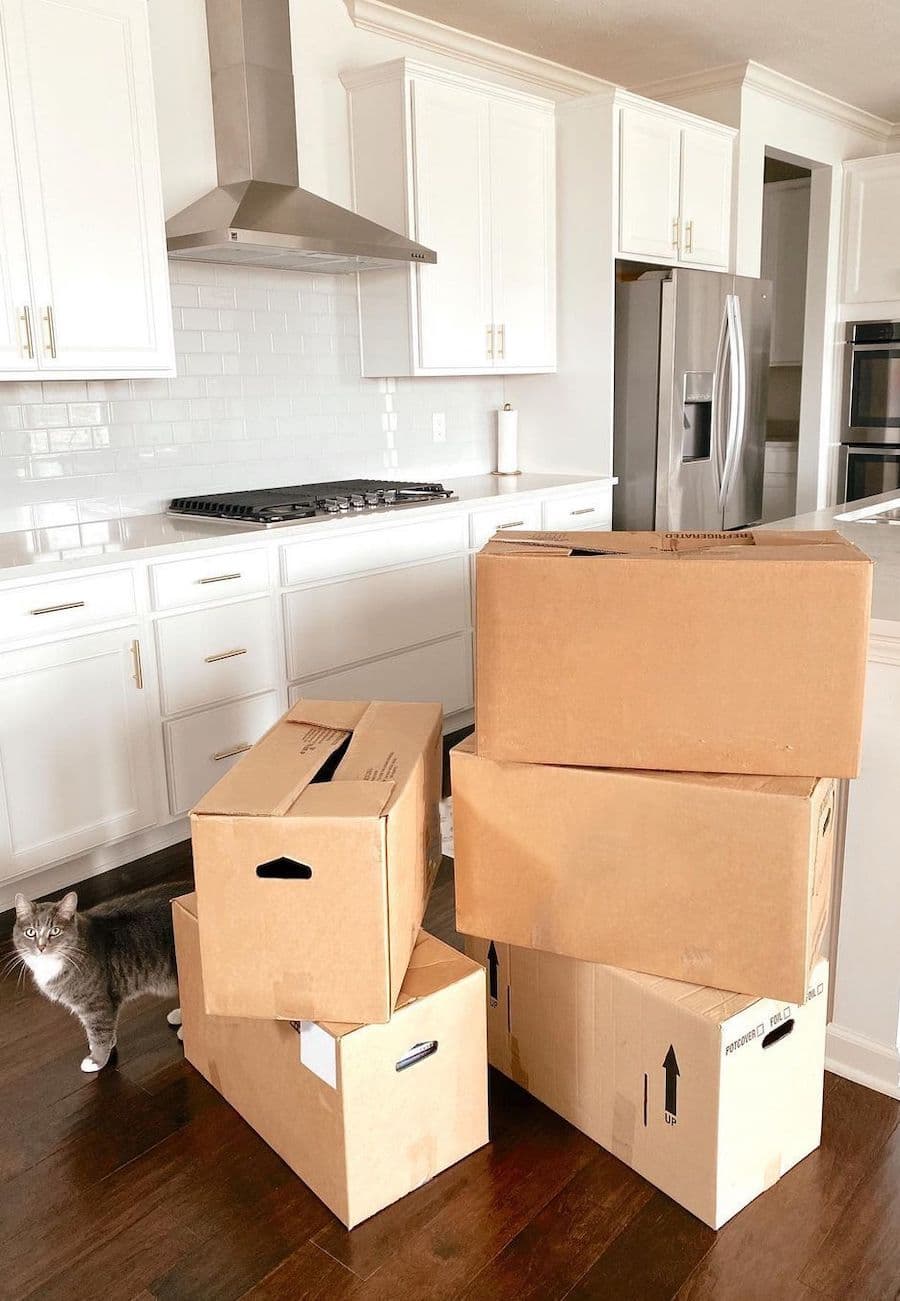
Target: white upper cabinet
523,236
871,270
453,215
675,174
468,169
95,279
17,350
706,157
649,181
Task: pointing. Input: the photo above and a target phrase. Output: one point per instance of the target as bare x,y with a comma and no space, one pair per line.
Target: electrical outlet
439,427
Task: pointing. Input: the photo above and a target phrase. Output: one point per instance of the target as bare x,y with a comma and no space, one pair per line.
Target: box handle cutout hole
417,1053
284,869
780,1032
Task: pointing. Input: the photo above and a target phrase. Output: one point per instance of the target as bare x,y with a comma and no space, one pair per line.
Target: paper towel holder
506,474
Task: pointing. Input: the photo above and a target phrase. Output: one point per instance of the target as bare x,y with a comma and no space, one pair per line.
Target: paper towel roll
507,441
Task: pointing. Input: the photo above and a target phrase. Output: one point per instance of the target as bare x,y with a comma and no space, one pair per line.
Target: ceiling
849,50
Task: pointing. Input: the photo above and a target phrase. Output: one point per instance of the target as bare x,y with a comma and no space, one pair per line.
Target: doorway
784,260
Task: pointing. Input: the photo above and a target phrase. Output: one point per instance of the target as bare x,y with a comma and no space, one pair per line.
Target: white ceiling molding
777,86
387,20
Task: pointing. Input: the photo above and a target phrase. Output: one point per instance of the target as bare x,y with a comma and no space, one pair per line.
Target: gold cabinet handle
137,670
219,578
25,322
689,237
512,524
501,346
55,609
585,510
51,330
490,342
225,655
676,231
227,754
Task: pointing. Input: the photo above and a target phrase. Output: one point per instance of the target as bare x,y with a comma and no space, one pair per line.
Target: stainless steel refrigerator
691,379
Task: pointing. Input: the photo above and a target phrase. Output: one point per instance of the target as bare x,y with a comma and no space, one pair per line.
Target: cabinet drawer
358,552
66,605
484,524
211,578
441,671
588,510
202,747
208,656
338,624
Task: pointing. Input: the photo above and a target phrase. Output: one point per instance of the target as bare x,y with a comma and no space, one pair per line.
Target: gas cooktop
268,507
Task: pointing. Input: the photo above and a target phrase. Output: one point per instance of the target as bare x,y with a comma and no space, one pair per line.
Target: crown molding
489,56
755,76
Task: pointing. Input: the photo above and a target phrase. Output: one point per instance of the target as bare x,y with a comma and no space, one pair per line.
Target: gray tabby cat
94,961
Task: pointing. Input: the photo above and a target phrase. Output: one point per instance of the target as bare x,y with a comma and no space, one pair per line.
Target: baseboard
863,1060
38,884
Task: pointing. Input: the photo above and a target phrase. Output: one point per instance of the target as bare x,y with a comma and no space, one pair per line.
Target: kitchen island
864,1034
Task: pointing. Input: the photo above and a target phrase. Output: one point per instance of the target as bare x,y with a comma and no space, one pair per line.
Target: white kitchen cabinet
92,295
74,748
649,184
440,671
871,254
208,656
785,244
468,168
17,352
674,185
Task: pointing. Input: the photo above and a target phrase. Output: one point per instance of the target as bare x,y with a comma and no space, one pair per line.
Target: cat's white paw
174,1017
181,1033
88,1064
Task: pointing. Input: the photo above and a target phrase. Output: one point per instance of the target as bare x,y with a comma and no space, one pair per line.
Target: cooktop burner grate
268,507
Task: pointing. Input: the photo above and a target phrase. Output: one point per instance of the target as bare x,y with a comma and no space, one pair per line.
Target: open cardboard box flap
765,544
277,778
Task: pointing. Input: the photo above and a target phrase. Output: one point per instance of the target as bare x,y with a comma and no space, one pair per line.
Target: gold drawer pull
224,655
137,669
51,330
513,524
227,754
55,609
25,321
219,578
585,510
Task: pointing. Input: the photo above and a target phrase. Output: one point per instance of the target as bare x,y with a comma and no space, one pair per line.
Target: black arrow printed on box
670,1066
493,964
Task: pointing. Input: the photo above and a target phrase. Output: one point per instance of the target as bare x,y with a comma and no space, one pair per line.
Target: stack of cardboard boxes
349,1038
659,722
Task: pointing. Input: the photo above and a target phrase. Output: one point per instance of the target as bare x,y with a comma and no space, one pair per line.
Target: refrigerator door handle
738,407
718,449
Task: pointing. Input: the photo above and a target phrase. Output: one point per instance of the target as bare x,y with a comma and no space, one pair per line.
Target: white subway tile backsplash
268,391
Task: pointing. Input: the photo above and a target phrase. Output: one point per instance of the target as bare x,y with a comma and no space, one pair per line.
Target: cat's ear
65,909
23,908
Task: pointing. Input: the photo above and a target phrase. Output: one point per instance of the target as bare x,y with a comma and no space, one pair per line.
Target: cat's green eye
55,930
30,932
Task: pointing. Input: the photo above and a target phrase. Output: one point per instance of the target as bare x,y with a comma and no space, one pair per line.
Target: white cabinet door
75,766
523,185
17,351
85,126
440,671
705,197
871,247
451,129
649,164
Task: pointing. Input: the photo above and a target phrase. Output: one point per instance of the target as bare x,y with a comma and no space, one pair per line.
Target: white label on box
318,1052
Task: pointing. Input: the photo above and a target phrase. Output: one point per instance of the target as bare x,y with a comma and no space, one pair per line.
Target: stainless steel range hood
258,215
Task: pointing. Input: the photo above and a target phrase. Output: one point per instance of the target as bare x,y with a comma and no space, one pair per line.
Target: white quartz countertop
35,552
878,540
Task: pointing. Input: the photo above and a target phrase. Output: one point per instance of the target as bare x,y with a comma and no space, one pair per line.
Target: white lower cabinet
210,656
340,624
589,510
74,748
441,671
200,748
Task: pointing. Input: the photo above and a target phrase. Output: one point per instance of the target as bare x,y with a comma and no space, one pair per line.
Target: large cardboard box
363,1114
719,880
709,1095
313,860
709,652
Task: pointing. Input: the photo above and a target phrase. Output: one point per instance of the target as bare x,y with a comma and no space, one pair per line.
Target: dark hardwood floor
143,1183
